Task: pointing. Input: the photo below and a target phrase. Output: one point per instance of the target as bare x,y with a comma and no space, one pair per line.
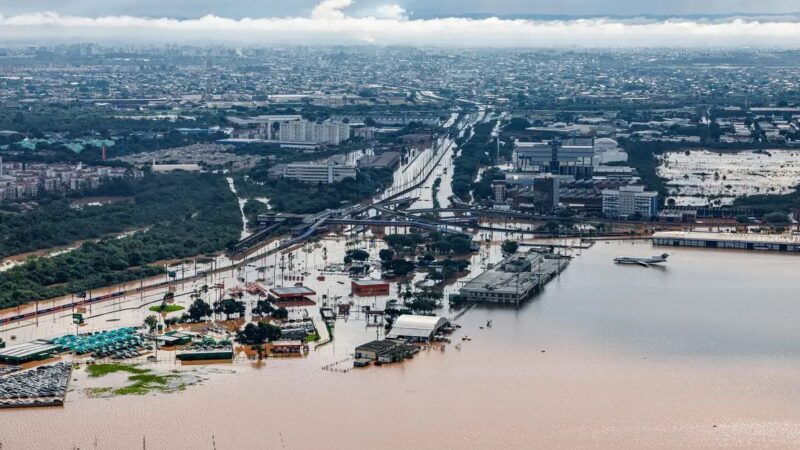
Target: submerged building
416,328
515,279
731,241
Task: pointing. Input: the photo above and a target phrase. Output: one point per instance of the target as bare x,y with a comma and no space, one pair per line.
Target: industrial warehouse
734,241
417,328
514,279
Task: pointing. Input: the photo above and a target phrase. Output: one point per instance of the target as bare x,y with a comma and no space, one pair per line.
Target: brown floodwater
700,353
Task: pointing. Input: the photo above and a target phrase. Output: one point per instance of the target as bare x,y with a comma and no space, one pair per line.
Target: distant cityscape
544,236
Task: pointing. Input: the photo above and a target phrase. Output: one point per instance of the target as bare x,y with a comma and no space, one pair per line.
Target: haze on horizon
466,23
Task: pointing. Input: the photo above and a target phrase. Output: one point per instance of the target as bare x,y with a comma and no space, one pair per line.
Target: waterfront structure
514,279
628,201
733,241
205,353
304,131
385,351
416,328
363,288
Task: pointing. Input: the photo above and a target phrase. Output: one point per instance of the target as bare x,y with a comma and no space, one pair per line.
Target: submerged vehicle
646,262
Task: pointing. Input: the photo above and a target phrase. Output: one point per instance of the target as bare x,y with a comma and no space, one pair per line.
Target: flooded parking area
44,385
705,177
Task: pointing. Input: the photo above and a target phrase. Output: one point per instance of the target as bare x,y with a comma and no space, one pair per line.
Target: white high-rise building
630,200
307,132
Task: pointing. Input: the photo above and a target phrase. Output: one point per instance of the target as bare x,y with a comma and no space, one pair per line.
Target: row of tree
204,222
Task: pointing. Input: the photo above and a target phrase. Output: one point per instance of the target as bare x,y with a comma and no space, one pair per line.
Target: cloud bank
330,23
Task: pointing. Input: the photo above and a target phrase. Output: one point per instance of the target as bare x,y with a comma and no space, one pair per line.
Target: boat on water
645,262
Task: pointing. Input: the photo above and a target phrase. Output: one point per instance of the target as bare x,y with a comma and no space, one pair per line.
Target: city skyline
473,24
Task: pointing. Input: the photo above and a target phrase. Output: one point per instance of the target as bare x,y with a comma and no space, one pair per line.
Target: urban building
304,131
628,201
732,241
417,140
499,192
291,295
533,192
382,161
385,351
30,351
568,157
606,150
364,288
332,170
24,180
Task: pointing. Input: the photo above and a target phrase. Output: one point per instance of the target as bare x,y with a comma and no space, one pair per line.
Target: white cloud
330,9
389,24
393,12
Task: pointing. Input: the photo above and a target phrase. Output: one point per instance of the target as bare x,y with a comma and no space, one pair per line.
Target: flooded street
702,352
241,202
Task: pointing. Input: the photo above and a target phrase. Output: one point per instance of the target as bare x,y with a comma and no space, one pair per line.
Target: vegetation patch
306,198
140,382
147,382
162,308
99,370
190,214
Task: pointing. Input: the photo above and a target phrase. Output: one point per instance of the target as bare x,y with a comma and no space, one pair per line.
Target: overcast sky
272,8
405,22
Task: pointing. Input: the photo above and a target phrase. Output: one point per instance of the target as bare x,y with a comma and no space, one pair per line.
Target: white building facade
327,132
629,201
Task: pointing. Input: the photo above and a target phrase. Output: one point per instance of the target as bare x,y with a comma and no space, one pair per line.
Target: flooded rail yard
700,352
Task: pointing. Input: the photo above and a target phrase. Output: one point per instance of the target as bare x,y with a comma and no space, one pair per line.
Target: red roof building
365,288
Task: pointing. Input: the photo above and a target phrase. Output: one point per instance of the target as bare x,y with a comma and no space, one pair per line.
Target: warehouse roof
28,350
409,325
748,237
370,282
292,291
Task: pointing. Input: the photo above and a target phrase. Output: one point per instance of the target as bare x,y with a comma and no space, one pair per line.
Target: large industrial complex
731,241
515,279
